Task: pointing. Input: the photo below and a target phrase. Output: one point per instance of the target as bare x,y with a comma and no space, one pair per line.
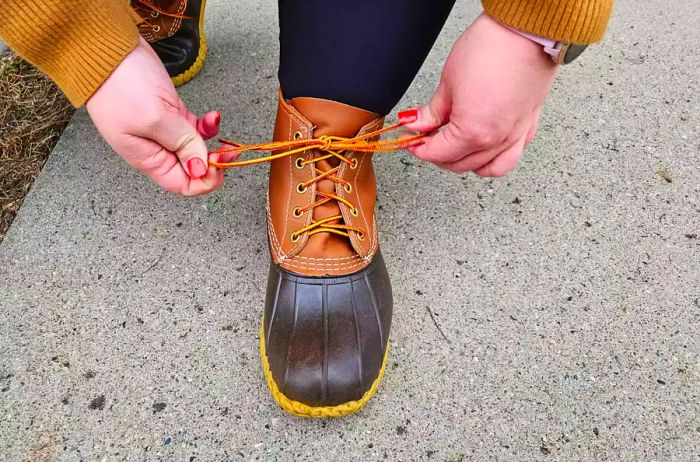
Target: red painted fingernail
196,167
408,116
217,119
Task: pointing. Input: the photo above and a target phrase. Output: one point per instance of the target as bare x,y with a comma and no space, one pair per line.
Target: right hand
141,116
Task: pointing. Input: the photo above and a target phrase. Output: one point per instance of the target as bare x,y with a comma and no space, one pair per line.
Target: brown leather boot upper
324,253
156,24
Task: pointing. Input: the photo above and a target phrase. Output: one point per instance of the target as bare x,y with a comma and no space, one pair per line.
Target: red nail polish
196,167
217,119
408,116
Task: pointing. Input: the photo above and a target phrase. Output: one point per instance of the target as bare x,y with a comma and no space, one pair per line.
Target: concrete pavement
550,315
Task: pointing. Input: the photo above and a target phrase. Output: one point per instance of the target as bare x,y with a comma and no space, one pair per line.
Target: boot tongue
333,119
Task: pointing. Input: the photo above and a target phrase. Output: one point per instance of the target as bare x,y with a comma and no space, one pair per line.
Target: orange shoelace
329,147
154,11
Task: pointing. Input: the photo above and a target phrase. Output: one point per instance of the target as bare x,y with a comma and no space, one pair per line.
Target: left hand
491,93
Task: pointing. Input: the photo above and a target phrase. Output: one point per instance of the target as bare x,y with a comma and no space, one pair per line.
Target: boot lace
327,147
153,11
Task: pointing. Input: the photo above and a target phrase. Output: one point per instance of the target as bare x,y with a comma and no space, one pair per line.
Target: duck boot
324,335
175,30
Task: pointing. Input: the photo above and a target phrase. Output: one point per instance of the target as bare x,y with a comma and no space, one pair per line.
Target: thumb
430,116
177,135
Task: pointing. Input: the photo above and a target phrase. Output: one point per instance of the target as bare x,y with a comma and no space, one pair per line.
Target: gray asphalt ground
550,315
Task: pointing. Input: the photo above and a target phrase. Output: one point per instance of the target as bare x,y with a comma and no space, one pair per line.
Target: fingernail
217,119
196,167
408,116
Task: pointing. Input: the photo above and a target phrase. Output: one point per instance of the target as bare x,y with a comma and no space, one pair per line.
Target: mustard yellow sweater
78,43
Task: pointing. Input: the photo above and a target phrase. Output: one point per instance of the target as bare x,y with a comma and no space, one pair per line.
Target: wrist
568,21
516,47
559,52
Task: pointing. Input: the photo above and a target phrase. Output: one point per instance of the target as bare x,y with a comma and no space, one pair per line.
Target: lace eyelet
353,164
298,163
354,211
298,135
361,236
155,14
348,188
156,29
297,213
294,237
301,189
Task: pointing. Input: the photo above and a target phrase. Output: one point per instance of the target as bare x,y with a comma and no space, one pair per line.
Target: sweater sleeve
572,21
77,43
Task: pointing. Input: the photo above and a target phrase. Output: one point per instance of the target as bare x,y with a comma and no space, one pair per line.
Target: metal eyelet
354,211
156,29
353,164
155,14
298,135
348,188
361,236
298,162
294,238
297,213
301,189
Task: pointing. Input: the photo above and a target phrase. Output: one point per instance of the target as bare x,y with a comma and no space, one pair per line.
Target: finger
532,132
212,180
165,169
430,116
208,126
224,156
471,162
505,162
444,147
175,134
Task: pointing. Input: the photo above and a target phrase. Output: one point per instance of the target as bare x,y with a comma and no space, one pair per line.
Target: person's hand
490,97
139,113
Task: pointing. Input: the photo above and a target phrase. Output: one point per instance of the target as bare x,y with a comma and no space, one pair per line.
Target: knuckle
152,119
456,143
431,114
477,136
184,140
481,137
512,138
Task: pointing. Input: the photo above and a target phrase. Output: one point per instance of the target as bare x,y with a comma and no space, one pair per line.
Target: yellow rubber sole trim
194,69
303,410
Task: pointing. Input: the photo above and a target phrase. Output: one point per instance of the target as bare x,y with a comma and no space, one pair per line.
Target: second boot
175,31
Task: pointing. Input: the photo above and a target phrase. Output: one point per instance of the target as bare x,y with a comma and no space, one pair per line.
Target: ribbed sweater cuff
571,21
77,43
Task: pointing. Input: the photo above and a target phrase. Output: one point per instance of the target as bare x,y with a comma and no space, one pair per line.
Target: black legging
364,53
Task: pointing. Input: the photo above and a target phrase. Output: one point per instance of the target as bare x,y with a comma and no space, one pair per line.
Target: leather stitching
330,266
329,259
276,250
368,128
302,126
364,215
289,196
176,24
